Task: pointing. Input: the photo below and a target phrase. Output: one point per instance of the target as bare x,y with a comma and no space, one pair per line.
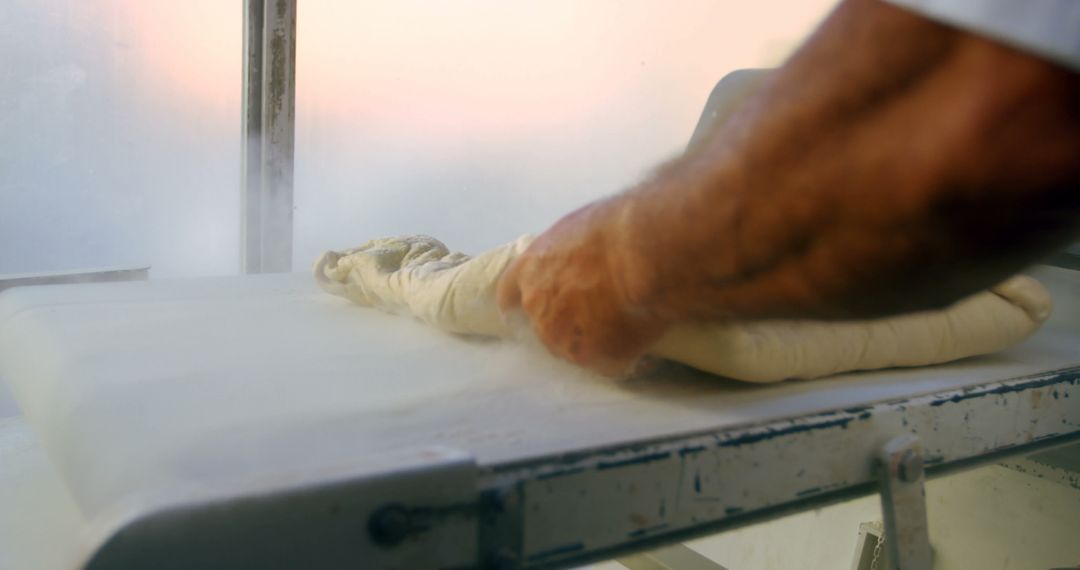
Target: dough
419,277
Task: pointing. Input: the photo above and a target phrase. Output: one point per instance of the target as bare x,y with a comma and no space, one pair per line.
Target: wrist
636,259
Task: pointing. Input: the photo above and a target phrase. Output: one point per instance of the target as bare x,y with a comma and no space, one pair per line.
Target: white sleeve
1048,28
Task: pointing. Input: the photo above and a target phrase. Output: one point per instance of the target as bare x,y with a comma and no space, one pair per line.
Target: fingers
603,340
563,286
580,325
508,290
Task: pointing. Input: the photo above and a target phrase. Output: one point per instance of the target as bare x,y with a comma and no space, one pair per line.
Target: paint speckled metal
598,505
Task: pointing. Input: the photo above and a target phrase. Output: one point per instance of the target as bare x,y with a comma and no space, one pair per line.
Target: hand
571,284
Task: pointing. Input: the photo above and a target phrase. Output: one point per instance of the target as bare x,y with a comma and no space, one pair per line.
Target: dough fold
418,276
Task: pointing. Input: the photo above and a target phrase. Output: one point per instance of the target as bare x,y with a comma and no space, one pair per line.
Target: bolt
910,467
495,502
389,525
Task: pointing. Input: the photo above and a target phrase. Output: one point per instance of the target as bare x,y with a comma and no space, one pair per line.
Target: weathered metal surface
251,141
269,133
597,505
903,504
562,511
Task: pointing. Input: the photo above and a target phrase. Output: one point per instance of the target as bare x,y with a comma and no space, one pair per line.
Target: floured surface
39,522
138,388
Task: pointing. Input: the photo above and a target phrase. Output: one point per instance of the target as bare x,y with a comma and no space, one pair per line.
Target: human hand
572,284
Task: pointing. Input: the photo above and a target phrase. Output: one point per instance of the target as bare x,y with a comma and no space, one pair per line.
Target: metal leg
903,504
268,134
674,557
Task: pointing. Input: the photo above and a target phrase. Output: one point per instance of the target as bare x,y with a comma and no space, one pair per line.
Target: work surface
156,391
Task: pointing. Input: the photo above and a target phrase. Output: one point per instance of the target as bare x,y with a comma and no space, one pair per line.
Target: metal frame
566,510
75,276
597,506
268,135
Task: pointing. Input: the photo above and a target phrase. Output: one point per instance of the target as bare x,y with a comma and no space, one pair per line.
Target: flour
419,276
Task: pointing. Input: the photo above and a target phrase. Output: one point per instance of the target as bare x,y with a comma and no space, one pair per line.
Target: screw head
389,525
910,467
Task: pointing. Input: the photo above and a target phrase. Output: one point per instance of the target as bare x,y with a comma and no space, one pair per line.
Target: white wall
472,120
119,135
477,120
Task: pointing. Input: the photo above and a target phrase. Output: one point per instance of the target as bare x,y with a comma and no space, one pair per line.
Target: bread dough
419,277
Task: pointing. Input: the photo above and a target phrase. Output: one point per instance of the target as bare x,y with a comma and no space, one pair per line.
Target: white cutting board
138,389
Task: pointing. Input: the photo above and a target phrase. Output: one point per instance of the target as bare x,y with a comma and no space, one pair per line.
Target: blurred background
473,121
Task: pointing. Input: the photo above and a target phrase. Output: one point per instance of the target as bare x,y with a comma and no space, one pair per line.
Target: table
255,420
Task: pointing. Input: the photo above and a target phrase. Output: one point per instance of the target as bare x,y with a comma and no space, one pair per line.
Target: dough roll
418,276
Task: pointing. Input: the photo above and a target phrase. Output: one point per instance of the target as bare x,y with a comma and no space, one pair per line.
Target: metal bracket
903,504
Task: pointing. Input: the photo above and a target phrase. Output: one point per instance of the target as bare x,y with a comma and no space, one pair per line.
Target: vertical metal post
251,141
268,134
903,504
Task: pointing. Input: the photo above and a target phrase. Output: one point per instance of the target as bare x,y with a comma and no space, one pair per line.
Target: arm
892,164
